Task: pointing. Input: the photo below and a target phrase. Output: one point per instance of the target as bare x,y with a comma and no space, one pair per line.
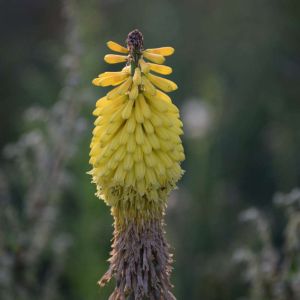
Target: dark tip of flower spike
135,41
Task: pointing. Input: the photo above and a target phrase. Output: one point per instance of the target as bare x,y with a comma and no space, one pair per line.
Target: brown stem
140,262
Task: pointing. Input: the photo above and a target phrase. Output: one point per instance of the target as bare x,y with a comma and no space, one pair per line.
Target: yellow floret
162,83
148,87
115,59
165,51
161,69
156,58
112,78
116,47
120,90
134,92
145,67
137,79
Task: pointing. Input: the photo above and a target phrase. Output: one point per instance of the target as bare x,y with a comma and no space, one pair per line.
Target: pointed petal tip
116,47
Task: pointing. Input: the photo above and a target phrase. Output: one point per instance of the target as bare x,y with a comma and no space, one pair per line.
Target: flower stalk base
140,261
136,154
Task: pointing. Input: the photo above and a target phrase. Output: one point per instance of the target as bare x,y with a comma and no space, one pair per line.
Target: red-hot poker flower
135,155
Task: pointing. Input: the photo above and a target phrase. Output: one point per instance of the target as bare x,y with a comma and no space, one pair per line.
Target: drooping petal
156,58
120,90
127,110
161,69
114,58
116,47
110,79
137,79
134,92
162,83
165,51
148,86
145,67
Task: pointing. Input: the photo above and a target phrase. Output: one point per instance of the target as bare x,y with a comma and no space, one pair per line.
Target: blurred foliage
237,65
273,271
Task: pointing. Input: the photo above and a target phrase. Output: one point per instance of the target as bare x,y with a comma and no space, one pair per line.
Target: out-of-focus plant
32,182
273,272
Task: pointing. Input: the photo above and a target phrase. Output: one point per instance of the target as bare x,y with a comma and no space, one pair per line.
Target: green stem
135,55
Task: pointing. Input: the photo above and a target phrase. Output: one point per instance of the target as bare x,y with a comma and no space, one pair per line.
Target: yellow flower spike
161,69
145,67
162,83
135,155
156,58
137,79
116,47
114,58
165,51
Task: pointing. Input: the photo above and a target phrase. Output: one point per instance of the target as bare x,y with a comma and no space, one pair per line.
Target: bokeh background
234,221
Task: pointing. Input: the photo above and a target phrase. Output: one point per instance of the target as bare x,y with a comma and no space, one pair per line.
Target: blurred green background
237,65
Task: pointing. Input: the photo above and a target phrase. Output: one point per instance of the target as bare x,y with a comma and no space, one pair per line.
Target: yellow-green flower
136,148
